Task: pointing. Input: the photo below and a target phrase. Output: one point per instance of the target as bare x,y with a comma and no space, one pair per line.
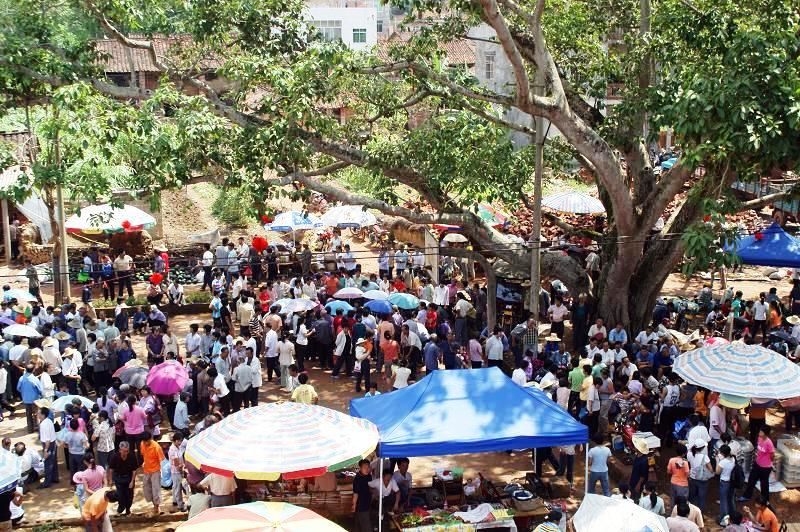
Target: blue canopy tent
466,411
769,247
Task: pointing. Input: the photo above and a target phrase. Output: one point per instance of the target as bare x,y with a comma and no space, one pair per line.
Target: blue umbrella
379,306
334,306
60,403
404,301
669,163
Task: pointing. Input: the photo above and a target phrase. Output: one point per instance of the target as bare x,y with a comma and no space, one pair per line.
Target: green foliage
363,181
234,206
198,297
705,241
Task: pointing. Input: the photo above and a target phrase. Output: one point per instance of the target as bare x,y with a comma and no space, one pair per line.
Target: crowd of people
255,337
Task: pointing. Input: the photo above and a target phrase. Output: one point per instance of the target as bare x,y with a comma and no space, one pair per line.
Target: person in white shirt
385,285
390,490
557,312
716,422
519,376
598,330
271,353
175,292
242,379
404,480
255,375
441,295
494,348
698,432
309,289
401,373
286,354
222,393
760,315
207,262
193,341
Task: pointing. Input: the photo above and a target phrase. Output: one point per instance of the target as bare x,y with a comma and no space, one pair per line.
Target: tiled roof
117,58
458,52
21,142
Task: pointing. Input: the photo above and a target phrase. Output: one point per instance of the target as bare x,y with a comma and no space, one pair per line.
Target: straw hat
360,341
75,322
165,438
48,342
35,352
793,320
62,335
68,352
19,309
552,338
641,445
465,294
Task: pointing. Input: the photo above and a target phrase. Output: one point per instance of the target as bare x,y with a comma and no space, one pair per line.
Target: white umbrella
349,292
96,219
574,202
290,221
21,330
348,216
455,238
298,305
375,294
604,513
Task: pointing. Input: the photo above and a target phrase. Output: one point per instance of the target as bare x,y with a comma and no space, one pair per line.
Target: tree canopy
722,74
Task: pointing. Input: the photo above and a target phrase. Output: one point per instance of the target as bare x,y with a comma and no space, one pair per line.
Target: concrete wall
351,18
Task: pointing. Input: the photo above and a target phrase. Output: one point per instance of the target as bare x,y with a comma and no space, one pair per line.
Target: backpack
737,476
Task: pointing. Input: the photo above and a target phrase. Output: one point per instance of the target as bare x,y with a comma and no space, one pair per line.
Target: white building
353,22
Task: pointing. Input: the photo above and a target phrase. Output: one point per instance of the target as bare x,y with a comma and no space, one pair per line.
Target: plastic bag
680,428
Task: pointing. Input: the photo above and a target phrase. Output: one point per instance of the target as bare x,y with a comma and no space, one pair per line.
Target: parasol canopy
287,222
349,292
379,306
19,295
404,301
574,202
9,471
604,513
98,219
741,370
312,440
59,404
301,304
21,330
260,515
167,378
455,238
334,306
134,363
348,216
376,294
135,376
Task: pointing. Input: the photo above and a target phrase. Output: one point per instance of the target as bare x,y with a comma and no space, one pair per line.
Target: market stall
466,411
769,247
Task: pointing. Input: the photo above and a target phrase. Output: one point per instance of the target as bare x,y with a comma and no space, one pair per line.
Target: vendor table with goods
488,516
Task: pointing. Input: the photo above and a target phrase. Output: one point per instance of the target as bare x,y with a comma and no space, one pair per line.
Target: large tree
723,74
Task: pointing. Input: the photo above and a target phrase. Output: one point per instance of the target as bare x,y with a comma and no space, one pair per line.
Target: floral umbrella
311,440
257,516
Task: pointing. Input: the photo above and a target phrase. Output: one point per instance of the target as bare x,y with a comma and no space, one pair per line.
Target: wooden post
6,230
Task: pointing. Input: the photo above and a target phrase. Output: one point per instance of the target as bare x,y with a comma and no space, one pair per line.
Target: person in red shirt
399,285
431,318
337,321
331,284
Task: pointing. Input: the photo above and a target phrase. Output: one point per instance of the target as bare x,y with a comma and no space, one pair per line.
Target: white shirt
193,343
594,330
643,338
47,431
386,489
271,344
760,309
462,307
220,386
494,348
716,421
519,377
255,371
302,332
698,432
413,340
175,291
441,295
401,376
242,378
285,353
208,259
558,313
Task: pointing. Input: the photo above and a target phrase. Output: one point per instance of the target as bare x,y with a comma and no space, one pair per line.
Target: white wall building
355,26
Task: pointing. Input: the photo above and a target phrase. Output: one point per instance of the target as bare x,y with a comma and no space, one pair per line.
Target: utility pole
536,237
63,262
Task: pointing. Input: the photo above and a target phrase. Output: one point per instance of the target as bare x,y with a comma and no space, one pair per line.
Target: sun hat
641,445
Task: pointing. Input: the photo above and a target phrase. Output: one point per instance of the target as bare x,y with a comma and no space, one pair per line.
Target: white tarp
604,513
35,210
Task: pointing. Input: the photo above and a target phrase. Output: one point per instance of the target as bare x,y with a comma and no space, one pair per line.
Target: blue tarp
774,248
466,411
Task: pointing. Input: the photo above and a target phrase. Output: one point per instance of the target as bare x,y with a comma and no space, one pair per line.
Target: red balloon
126,224
260,243
759,236
156,278
707,218
265,219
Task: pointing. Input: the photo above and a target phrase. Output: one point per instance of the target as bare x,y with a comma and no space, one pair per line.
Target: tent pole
380,496
586,469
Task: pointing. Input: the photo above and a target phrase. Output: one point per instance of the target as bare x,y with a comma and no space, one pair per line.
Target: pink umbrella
716,340
167,378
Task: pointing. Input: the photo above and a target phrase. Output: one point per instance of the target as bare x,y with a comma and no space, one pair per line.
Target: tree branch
413,100
764,201
492,16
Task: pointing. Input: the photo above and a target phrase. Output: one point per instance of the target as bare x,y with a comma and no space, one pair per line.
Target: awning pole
586,470
380,496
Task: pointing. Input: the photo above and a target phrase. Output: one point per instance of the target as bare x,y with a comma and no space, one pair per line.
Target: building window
331,30
380,26
359,35
489,65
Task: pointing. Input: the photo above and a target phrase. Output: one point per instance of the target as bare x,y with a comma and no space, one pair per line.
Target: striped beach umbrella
740,370
253,516
289,440
574,202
